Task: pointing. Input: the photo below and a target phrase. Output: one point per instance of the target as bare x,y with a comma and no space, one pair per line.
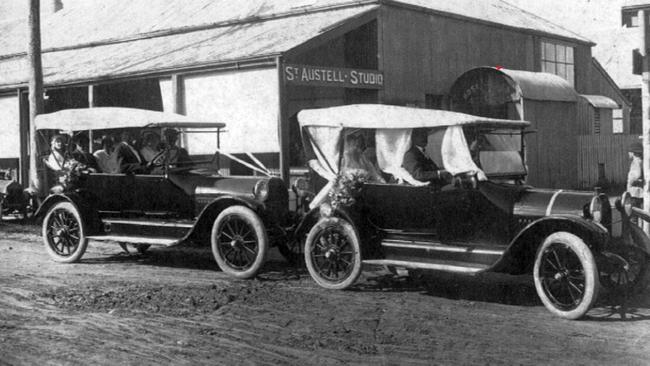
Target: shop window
558,59
617,121
597,121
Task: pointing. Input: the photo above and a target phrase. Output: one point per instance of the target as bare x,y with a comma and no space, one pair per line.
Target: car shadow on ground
494,288
504,289
195,257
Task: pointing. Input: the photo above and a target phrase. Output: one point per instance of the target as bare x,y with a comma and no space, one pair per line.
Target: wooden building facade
255,65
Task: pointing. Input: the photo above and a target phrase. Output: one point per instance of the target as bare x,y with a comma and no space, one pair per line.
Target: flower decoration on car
347,188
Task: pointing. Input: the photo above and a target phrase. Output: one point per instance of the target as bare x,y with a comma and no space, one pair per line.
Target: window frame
550,62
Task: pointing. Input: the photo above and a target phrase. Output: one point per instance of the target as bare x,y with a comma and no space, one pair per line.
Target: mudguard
210,212
88,214
520,255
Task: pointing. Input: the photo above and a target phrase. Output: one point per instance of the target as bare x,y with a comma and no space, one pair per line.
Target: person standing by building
635,174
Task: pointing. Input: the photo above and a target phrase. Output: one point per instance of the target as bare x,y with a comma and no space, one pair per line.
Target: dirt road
173,306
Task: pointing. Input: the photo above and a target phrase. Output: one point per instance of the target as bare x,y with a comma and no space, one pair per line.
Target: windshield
497,151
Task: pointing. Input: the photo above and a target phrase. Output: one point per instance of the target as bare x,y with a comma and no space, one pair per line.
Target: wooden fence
603,160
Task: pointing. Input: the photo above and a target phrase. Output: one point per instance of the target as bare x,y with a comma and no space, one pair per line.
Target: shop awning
600,101
192,49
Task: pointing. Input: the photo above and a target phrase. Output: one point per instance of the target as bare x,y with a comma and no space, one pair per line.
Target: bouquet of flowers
71,172
347,189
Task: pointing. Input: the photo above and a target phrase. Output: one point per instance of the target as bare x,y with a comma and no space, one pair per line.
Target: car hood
536,202
207,183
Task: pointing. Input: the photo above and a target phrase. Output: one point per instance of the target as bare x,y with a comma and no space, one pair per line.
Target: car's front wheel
239,242
333,253
63,233
566,276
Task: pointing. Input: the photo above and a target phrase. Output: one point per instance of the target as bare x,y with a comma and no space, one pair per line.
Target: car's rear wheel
239,242
63,233
566,276
333,254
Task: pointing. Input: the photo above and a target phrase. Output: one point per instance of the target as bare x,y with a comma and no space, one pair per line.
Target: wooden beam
645,104
283,124
35,87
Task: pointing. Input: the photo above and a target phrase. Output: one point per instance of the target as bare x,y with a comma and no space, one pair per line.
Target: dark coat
421,167
129,160
86,159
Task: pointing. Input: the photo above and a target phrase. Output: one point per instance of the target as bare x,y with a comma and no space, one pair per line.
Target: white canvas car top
100,118
323,131
394,117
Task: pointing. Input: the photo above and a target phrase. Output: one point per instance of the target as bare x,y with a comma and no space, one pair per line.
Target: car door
401,207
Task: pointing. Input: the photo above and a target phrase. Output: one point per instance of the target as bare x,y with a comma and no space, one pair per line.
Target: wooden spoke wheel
565,274
63,233
333,254
239,242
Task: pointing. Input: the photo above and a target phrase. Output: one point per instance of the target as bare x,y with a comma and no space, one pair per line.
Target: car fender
209,213
88,214
520,254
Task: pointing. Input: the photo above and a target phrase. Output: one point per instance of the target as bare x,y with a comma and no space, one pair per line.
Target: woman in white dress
355,162
107,157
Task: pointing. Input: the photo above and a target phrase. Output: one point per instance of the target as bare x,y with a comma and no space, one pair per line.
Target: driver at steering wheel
171,155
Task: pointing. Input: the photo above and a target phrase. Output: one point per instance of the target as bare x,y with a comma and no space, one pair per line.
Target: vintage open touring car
474,214
163,202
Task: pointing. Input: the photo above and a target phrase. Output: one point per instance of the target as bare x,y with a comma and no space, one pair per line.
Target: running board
435,246
135,240
469,269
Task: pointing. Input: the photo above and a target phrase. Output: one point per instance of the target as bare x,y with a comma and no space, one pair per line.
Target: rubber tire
83,242
592,285
351,234
256,224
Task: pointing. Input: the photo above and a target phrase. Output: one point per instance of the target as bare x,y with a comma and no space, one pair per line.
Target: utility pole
35,87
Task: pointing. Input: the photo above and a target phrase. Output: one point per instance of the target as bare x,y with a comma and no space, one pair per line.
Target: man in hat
174,156
635,180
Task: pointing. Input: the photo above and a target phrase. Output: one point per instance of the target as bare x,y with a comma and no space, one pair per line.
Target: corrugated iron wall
603,159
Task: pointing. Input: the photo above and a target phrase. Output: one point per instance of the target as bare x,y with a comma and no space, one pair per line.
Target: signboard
333,76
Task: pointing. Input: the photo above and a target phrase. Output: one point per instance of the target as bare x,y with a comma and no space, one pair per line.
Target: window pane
569,55
570,75
561,70
617,113
617,126
549,51
548,67
561,53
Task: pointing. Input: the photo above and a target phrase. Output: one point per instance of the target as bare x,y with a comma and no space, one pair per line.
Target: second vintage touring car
472,213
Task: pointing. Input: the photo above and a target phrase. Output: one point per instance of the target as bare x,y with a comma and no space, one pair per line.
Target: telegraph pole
35,87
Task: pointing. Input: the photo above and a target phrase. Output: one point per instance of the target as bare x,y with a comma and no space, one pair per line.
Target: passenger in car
151,146
81,153
175,155
56,160
355,161
107,158
418,164
128,155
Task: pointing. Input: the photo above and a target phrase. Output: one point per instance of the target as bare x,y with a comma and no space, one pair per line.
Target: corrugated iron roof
542,85
196,48
123,37
600,101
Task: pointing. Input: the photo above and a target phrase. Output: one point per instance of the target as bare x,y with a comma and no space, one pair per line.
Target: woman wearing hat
635,175
56,159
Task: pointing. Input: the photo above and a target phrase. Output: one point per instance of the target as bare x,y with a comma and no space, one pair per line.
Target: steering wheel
158,160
